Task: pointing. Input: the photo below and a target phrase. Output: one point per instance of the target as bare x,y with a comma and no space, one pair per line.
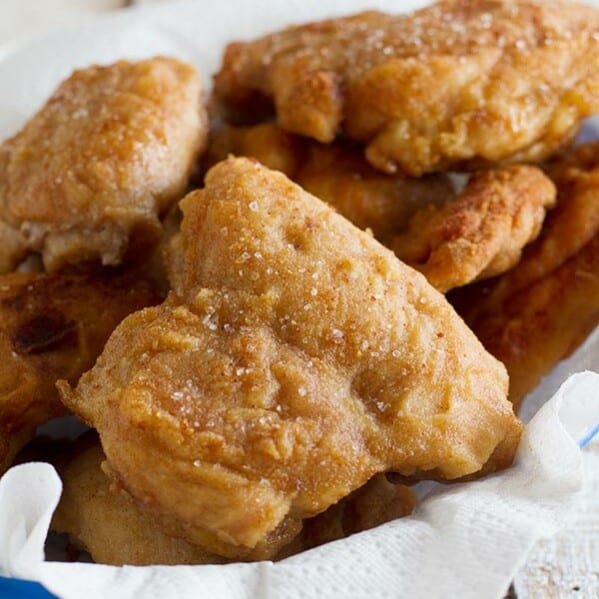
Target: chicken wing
295,359
337,174
456,82
482,232
52,327
88,176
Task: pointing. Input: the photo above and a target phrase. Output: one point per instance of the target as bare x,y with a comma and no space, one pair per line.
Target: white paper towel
466,541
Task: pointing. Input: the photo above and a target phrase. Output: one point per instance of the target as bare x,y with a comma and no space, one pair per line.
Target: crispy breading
534,315
89,175
492,80
337,174
376,503
267,143
52,327
482,232
569,227
533,329
105,521
295,359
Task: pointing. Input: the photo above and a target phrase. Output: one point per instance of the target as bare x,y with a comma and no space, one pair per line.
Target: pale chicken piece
482,232
376,503
89,176
51,327
295,359
105,522
337,174
453,83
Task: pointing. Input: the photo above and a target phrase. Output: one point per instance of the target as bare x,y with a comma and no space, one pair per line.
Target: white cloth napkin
465,541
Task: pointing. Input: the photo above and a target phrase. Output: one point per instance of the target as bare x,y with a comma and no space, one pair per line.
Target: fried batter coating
89,175
491,80
106,522
376,503
336,174
533,329
295,359
536,314
482,232
569,227
267,143
52,327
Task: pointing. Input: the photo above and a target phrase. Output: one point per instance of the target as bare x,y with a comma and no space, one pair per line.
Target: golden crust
376,503
537,313
482,232
569,227
458,81
267,143
337,174
106,522
295,359
88,176
533,329
53,327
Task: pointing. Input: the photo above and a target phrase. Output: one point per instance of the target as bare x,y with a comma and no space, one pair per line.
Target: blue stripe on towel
589,436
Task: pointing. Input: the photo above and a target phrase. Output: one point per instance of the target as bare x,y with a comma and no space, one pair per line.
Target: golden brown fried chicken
267,143
106,522
376,503
492,80
533,329
336,174
295,359
569,227
53,327
89,175
537,313
366,197
482,232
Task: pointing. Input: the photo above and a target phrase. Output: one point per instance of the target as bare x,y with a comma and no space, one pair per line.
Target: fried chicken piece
337,174
569,227
458,81
52,327
536,314
295,359
478,235
533,329
482,232
376,503
89,175
105,521
267,143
